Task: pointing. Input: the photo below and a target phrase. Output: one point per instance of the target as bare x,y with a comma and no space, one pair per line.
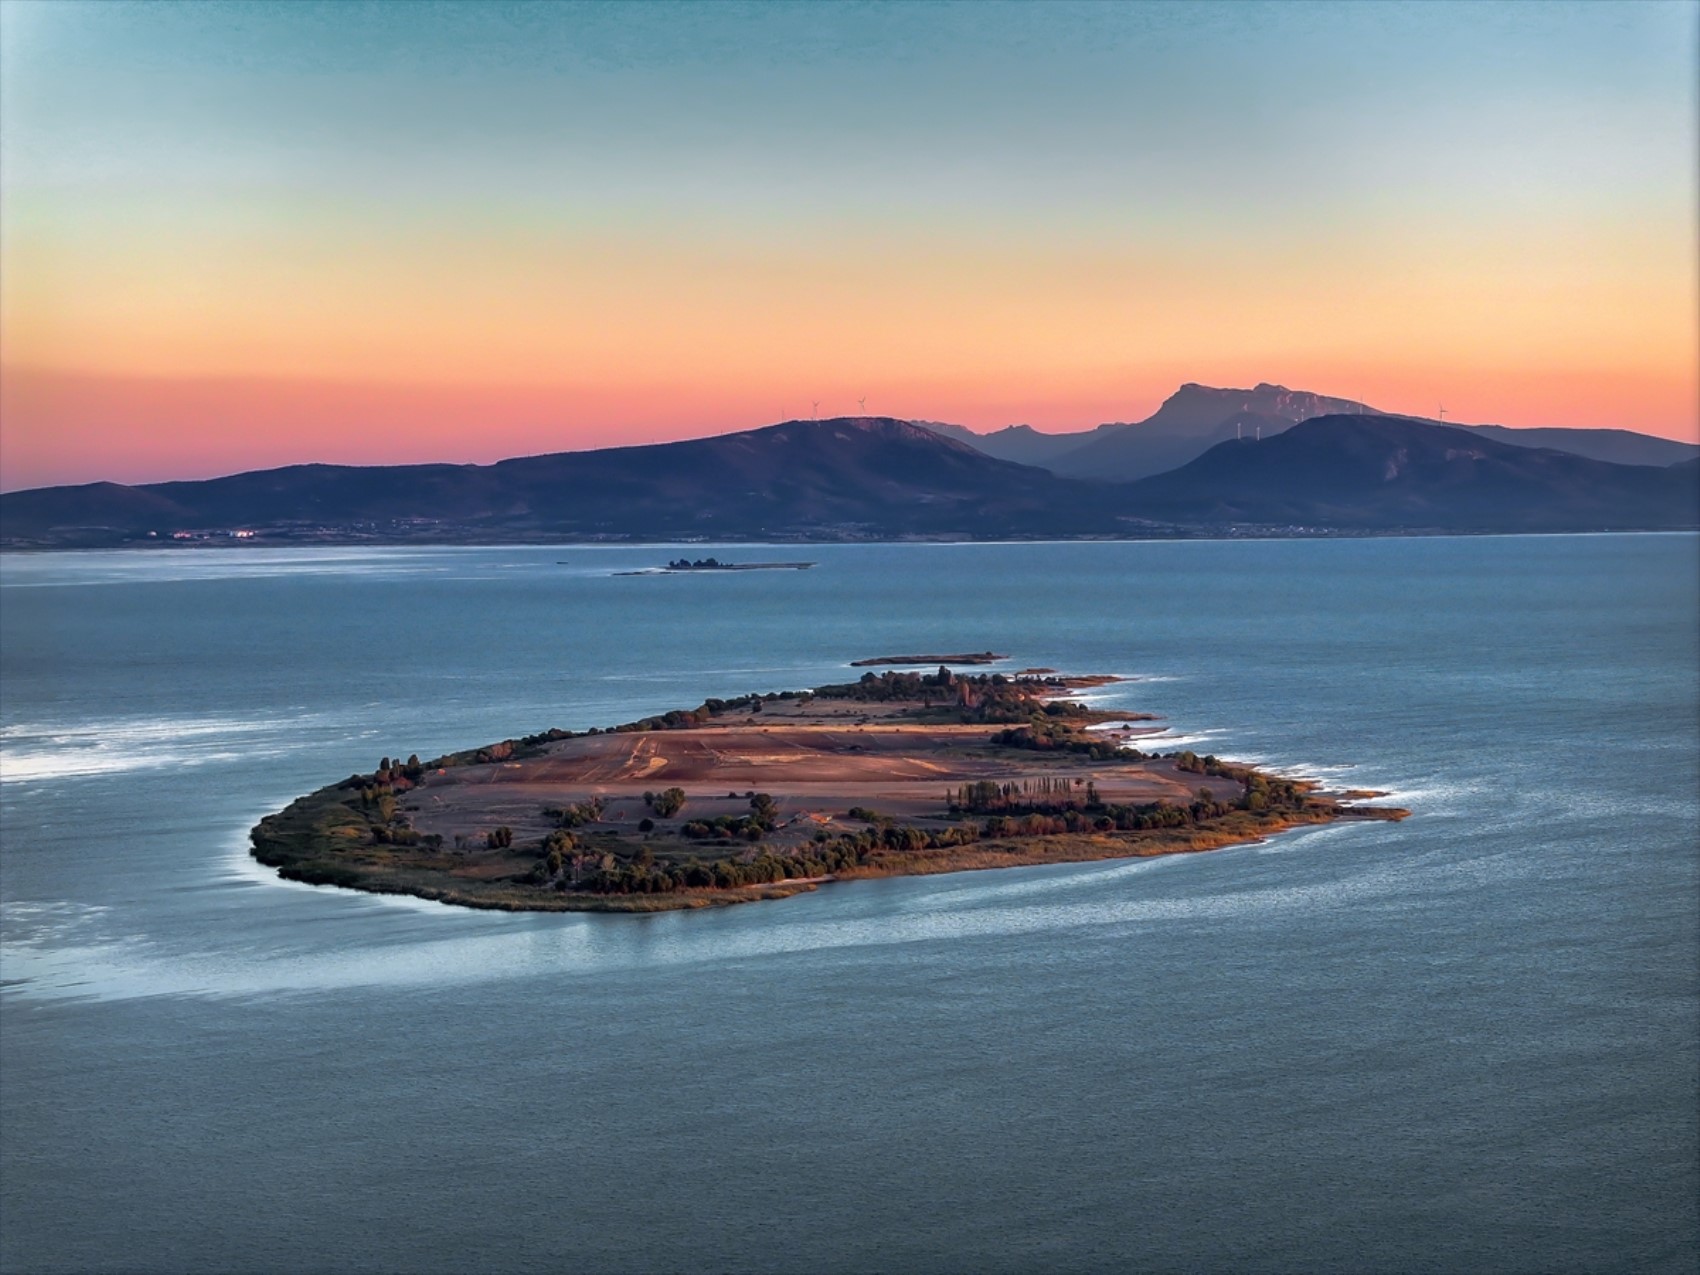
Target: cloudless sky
243,234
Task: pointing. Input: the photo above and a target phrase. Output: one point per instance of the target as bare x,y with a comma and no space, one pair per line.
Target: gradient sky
241,235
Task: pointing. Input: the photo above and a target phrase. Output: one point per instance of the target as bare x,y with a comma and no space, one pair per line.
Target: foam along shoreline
899,773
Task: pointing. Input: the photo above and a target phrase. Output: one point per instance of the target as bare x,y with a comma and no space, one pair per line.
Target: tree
668,803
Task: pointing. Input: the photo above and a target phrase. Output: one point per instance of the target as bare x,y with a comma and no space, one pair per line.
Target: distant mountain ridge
1395,472
1019,443
1192,419
841,478
857,478
1616,446
1199,407
1197,417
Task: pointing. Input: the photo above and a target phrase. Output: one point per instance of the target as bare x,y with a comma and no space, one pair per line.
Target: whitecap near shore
41,752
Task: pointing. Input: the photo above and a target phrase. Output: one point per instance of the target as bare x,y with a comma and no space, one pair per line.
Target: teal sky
819,99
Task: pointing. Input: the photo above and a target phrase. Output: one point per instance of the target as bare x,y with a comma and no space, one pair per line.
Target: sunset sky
244,235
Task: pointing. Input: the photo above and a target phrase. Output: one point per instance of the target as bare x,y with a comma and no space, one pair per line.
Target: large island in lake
759,797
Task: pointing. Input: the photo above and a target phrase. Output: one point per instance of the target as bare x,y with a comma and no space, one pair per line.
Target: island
679,565
976,657
765,795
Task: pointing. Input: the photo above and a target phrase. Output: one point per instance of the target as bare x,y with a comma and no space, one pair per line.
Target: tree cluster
667,803
724,827
546,737
1058,737
378,792
1045,795
576,815
1047,808
880,688
762,819
981,697
1259,791
403,835
823,857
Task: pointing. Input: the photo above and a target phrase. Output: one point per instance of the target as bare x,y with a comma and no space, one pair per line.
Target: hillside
1020,443
848,477
1192,419
879,478
1197,417
1618,446
87,513
1383,472
1195,408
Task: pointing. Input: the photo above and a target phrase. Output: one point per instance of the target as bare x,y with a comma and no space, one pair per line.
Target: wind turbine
814,411
862,404
1442,415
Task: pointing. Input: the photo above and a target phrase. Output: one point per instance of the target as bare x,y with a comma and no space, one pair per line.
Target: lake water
1470,1041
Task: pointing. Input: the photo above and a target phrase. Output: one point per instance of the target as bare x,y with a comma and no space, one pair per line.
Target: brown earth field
477,828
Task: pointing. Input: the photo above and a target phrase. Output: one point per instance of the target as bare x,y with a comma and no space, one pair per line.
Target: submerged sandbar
898,773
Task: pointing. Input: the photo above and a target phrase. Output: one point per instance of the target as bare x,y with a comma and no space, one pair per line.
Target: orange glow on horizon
71,428
300,340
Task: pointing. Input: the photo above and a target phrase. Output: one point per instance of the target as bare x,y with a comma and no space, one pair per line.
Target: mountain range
1196,417
1390,472
882,478
833,479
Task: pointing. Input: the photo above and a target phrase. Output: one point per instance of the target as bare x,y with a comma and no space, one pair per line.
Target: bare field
815,770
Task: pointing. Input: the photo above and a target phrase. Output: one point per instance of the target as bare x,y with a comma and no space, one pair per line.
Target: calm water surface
1466,1042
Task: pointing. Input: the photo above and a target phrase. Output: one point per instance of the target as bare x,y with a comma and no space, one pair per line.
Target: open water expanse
1467,1042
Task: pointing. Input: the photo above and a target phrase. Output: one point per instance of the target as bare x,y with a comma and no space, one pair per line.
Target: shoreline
991,857
1213,535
